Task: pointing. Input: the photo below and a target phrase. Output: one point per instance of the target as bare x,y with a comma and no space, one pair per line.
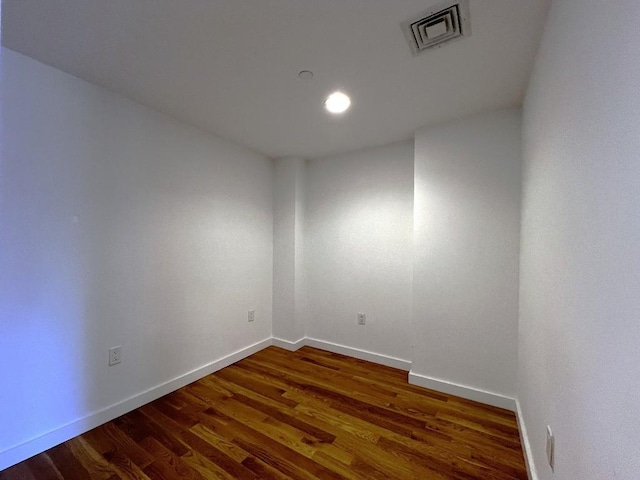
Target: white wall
358,229
118,226
288,254
579,366
466,235
300,295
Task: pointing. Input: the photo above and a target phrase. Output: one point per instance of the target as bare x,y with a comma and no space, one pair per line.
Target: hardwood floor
304,415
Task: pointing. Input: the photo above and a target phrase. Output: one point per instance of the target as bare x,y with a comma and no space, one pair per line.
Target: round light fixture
337,102
305,75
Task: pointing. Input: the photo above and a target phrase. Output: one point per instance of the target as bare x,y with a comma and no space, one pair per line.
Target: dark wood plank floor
304,415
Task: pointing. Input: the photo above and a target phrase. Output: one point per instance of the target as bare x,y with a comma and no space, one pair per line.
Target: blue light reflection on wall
42,298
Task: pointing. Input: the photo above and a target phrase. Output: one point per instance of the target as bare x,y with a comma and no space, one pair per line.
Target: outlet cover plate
252,315
115,355
550,447
362,319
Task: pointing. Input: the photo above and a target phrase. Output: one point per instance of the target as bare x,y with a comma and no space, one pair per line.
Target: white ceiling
231,66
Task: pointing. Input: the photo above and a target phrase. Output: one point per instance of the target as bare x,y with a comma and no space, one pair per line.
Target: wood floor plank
168,463
19,472
67,463
224,445
42,467
91,460
279,452
302,415
207,453
108,439
264,471
125,465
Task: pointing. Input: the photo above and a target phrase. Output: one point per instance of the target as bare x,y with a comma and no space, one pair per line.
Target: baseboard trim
43,442
288,345
526,445
359,353
463,391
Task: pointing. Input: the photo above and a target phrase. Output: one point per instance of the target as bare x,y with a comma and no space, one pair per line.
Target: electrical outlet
362,319
115,355
550,447
252,315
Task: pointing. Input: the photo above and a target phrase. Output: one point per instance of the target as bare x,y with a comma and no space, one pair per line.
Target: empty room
295,239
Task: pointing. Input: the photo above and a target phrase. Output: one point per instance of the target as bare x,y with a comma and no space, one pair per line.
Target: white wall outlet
362,319
550,447
115,355
252,315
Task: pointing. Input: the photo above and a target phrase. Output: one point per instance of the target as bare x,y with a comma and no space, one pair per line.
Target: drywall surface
466,241
118,226
288,254
580,263
300,297
357,242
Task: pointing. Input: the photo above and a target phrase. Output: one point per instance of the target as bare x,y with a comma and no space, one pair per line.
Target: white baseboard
358,353
463,391
526,446
43,442
288,345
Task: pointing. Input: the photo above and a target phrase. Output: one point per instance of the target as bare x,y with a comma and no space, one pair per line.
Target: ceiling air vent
438,25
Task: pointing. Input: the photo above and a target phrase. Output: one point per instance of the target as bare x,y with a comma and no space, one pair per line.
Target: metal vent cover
440,24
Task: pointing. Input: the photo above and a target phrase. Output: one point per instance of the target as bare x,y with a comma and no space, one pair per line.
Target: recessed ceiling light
337,102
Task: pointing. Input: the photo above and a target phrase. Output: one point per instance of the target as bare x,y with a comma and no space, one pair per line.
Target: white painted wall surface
118,226
358,230
466,236
288,238
579,366
301,303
